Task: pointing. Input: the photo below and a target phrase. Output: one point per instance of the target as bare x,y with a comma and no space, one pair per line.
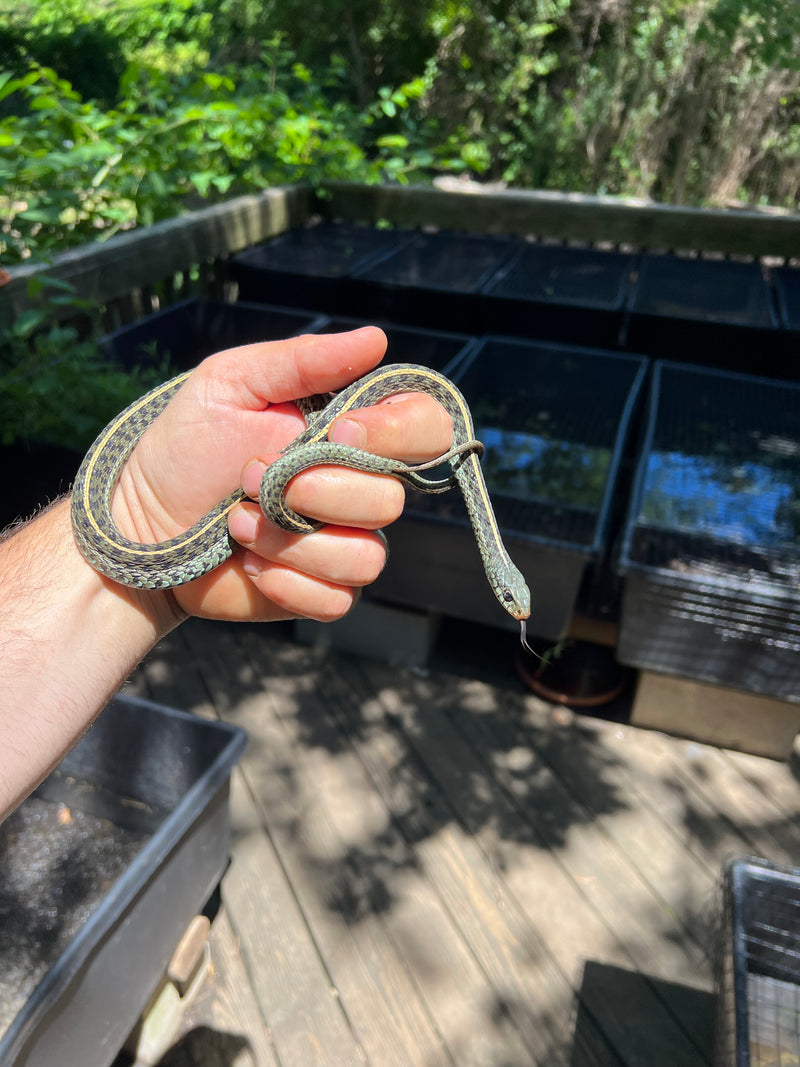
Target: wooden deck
436,867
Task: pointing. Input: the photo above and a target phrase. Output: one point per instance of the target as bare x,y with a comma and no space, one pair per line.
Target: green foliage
55,387
113,116
72,171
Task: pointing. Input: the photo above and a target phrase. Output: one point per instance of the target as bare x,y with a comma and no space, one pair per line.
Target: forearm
68,639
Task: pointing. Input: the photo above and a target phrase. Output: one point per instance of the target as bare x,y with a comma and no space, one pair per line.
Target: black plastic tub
434,281
787,292
306,267
717,313
553,420
102,870
556,293
758,966
711,550
431,348
189,331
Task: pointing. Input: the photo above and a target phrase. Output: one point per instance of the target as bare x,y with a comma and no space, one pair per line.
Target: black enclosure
711,551
573,295
307,267
93,906
553,420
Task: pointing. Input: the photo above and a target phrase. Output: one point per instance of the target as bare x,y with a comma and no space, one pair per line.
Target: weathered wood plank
764,828
535,993
306,1023
336,842
780,782
113,269
568,216
564,892
675,876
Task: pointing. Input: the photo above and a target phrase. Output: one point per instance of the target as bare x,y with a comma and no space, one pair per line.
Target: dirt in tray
56,863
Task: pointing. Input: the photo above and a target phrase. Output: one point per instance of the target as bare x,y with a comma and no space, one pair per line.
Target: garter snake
207,544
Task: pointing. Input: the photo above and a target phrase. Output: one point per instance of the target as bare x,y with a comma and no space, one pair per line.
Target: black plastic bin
307,267
711,551
787,292
434,281
758,966
553,420
189,331
557,293
103,869
717,313
431,348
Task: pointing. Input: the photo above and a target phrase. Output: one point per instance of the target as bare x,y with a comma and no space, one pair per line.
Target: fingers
253,376
409,426
337,495
313,575
337,554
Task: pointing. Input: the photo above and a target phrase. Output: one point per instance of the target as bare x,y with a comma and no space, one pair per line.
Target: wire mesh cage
711,549
758,980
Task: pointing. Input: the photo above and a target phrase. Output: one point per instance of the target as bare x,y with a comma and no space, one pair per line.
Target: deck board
431,868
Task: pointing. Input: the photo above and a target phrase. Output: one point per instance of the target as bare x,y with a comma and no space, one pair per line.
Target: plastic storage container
553,420
573,295
307,267
189,331
716,313
430,348
787,292
433,281
711,551
103,868
758,980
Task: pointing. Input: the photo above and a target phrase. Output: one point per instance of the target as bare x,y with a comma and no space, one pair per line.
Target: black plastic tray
149,780
189,331
787,289
573,295
307,266
431,348
553,420
711,550
786,282
717,313
758,973
433,281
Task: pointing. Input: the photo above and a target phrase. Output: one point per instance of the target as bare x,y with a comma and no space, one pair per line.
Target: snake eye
508,596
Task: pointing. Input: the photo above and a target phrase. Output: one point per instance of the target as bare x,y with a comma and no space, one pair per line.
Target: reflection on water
532,467
747,503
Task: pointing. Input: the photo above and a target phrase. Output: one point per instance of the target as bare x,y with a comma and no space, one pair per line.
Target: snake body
207,543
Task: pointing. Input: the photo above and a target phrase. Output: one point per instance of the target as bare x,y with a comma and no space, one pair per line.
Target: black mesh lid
327,249
716,290
457,262
587,277
719,477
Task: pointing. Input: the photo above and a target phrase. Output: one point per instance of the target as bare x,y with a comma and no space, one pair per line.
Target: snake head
512,591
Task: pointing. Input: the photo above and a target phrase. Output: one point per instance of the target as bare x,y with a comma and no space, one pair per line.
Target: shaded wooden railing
570,217
156,265
132,273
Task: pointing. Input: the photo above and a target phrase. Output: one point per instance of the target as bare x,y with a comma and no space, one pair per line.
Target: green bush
55,386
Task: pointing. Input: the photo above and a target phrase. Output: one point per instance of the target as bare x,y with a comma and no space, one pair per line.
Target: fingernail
243,525
251,477
348,432
251,565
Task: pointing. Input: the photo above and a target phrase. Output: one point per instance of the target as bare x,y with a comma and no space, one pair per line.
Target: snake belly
207,543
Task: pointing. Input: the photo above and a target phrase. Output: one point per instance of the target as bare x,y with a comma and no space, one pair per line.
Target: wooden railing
125,274
134,272
570,217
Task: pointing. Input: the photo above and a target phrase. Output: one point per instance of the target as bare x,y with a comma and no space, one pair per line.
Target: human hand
225,425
